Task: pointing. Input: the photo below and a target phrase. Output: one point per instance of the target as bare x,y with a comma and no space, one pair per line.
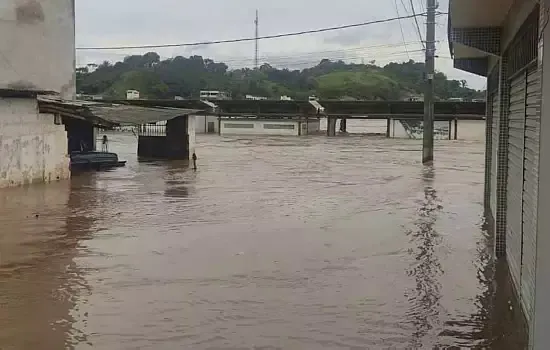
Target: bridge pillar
331,126
388,127
343,125
456,129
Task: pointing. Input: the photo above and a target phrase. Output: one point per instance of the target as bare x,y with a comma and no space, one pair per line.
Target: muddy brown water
274,243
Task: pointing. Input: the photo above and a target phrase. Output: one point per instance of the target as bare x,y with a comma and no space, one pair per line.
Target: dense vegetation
185,77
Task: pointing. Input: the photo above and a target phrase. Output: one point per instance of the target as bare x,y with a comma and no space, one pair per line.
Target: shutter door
494,156
516,126
530,190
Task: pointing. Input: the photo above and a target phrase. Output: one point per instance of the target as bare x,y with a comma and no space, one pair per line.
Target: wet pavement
273,243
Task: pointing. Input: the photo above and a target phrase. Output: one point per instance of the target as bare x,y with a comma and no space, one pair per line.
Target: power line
320,54
401,27
305,59
321,30
293,61
416,22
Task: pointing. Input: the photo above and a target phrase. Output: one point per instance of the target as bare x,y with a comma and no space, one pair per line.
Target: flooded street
274,243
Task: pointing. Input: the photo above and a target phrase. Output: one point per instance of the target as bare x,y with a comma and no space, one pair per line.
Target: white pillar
191,134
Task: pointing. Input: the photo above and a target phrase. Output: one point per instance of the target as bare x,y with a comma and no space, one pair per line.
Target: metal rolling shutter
530,190
494,156
516,139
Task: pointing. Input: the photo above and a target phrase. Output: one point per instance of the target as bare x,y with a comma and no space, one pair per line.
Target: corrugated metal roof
110,114
132,115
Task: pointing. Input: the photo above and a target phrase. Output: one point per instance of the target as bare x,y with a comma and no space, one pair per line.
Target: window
238,126
279,126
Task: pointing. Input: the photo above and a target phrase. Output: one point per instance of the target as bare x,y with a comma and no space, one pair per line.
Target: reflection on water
39,281
289,243
426,270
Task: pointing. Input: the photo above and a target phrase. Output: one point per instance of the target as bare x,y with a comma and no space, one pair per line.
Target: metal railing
152,129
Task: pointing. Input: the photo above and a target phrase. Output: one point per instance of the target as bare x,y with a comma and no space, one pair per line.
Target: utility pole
256,58
428,137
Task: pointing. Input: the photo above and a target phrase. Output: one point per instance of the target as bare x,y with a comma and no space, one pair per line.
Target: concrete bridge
410,114
342,109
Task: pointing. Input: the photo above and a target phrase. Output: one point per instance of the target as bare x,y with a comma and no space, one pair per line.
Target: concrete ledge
479,66
484,39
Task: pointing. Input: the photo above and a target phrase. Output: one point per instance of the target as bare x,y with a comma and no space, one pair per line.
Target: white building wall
257,127
32,147
472,130
201,124
38,46
313,126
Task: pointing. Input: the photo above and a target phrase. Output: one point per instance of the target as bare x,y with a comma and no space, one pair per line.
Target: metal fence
152,129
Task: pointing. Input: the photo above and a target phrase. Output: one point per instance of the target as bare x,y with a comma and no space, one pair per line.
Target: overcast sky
144,22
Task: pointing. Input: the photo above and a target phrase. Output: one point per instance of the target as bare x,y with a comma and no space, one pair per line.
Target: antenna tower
256,49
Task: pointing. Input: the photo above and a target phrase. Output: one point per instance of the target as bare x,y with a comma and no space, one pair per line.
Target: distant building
456,99
132,95
214,95
179,98
255,98
86,97
415,98
286,98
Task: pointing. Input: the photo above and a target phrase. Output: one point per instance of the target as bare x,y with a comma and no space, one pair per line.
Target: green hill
186,76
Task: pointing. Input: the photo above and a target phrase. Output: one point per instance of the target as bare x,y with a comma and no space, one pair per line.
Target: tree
186,76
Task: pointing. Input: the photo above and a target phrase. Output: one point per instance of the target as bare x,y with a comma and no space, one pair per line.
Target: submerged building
40,120
508,41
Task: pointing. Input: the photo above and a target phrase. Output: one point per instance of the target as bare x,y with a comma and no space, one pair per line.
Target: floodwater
274,243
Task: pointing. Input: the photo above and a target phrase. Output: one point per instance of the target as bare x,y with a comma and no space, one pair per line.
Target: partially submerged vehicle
95,160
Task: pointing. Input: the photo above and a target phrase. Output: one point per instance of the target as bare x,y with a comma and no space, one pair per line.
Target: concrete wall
37,40
201,123
32,147
518,13
313,126
259,127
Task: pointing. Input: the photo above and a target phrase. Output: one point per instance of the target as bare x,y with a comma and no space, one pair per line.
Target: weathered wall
37,38
32,147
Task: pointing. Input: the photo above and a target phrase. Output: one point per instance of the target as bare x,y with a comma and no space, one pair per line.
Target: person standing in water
105,144
194,161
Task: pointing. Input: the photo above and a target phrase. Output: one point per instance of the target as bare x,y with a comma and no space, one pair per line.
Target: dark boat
95,160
